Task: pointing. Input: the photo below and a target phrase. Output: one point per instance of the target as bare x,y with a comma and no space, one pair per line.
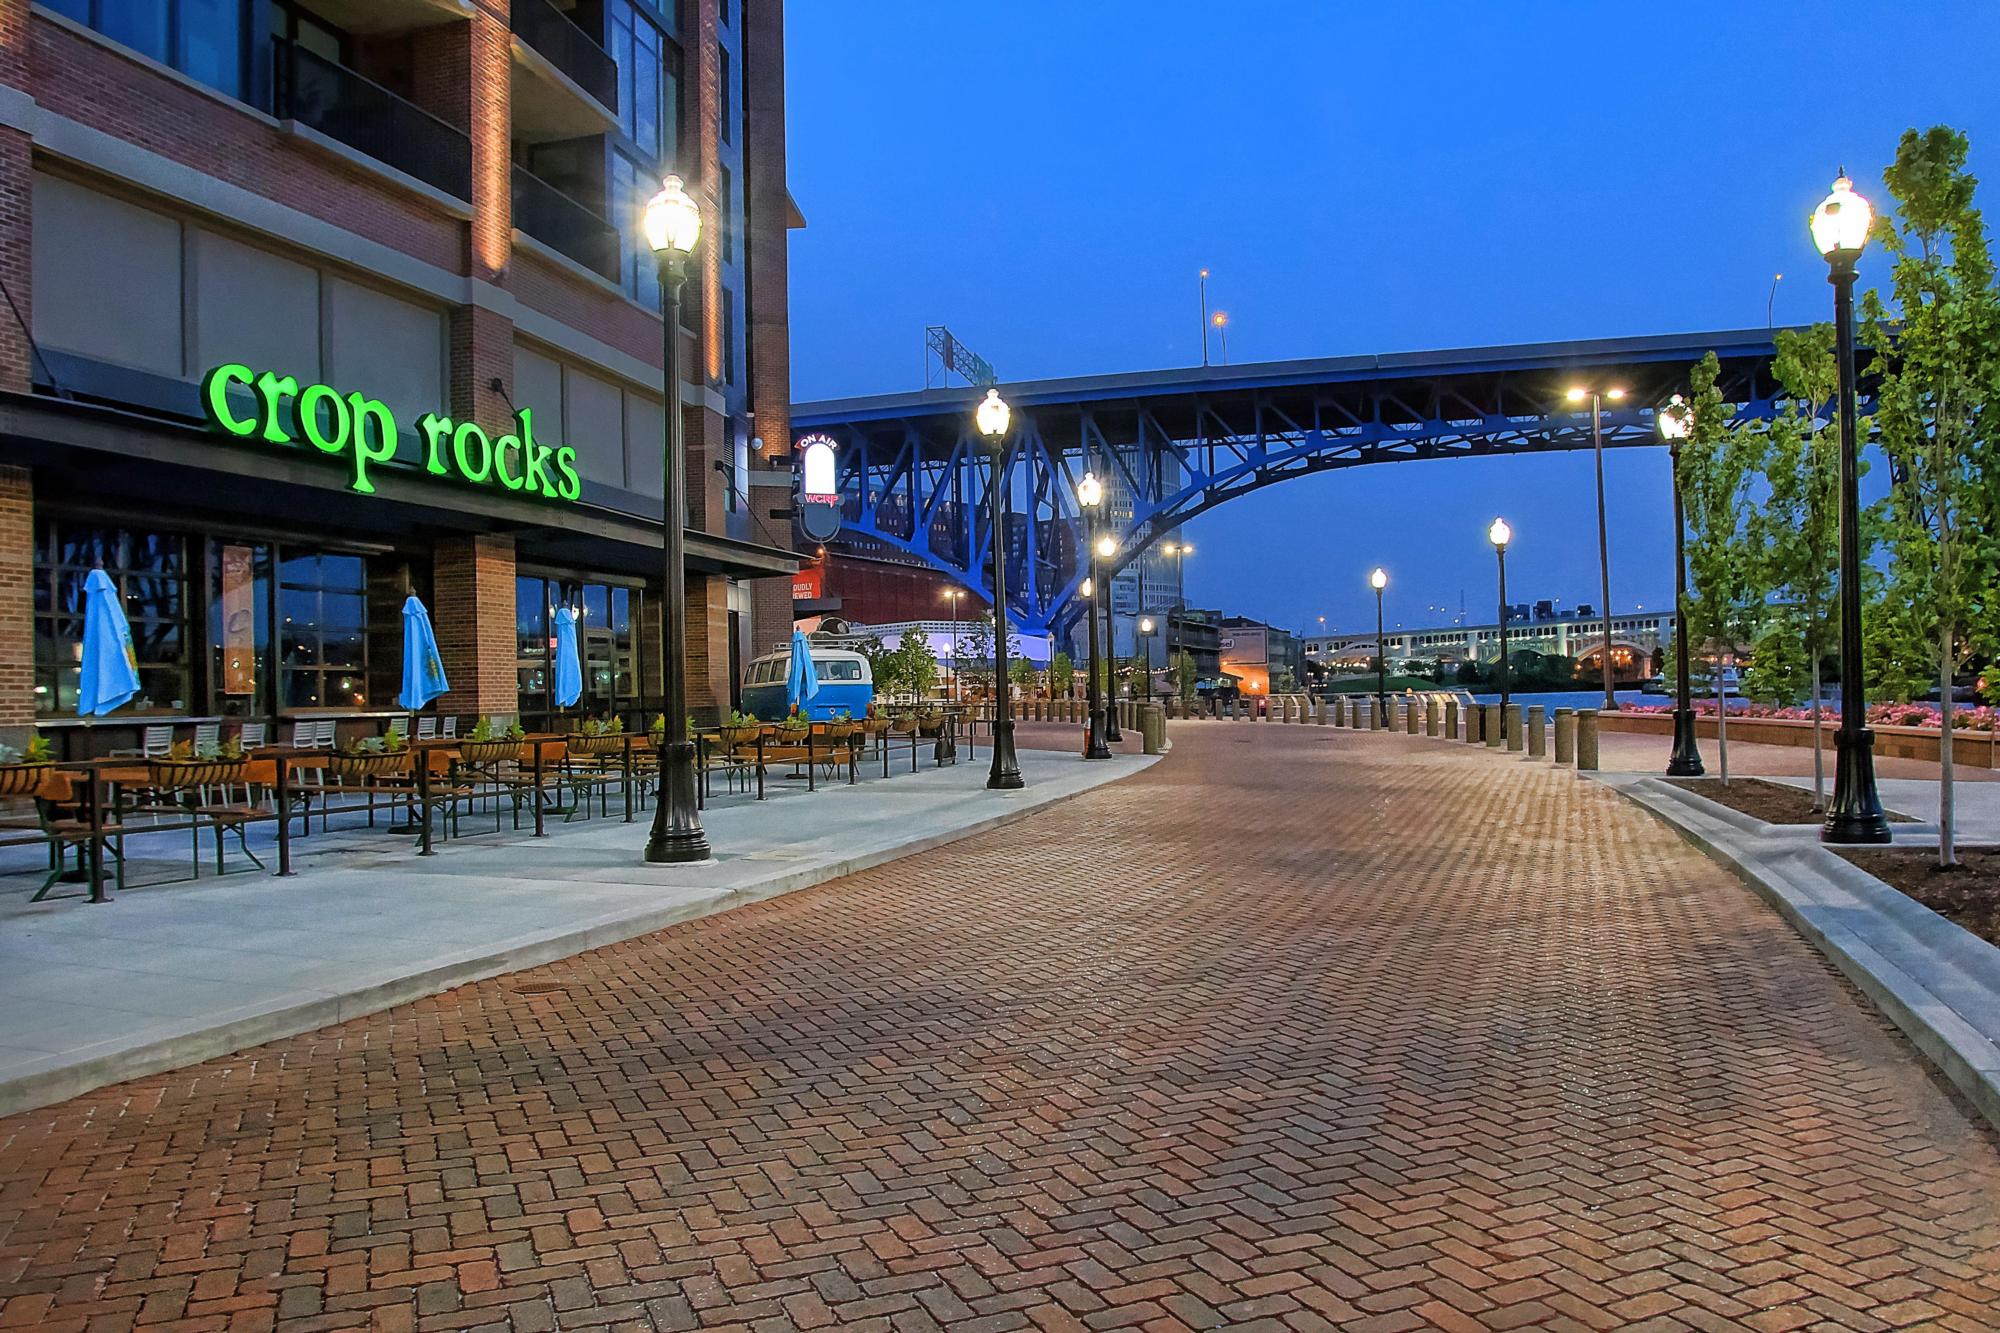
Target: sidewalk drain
539,987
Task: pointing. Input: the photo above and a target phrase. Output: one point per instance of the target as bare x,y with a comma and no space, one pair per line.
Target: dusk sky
1047,178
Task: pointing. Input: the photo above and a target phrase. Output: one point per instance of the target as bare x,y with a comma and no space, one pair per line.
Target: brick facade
17,602
472,611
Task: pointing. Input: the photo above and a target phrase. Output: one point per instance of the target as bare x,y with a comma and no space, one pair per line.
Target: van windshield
837,669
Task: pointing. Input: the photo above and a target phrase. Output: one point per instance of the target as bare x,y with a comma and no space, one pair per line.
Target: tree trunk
1721,727
1819,758
1947,851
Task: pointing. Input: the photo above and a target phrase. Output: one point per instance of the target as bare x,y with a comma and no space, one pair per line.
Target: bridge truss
1171,445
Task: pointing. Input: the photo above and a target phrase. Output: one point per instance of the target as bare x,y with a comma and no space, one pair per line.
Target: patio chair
427,728
207,735
450,726
154,743
251,735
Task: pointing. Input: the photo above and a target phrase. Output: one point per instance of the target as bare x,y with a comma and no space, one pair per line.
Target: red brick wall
17,604
77,78
707,645
472,588
767,267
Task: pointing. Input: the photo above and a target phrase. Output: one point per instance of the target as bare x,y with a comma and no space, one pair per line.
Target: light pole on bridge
1577,395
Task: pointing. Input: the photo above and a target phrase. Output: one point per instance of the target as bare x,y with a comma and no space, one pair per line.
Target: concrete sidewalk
166,976
1939,983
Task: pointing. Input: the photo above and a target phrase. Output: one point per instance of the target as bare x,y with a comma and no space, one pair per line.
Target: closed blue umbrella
108,676
801,682
423,671
569,665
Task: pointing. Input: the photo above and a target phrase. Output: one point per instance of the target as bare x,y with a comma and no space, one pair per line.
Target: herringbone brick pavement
1299,1029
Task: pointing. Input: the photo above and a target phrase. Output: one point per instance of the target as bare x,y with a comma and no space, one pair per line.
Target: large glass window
649,71
239,626
150,569
322,630
639,271
204,39
607,623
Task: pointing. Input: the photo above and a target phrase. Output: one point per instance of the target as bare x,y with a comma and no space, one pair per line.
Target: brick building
309,304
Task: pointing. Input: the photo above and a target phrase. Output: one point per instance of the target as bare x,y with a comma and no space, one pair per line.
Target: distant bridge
913,470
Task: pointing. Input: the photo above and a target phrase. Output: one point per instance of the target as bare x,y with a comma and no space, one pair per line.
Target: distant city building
1536,627
1255,653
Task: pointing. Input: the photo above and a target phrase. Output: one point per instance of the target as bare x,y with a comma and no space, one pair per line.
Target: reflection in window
606,625
204,39
322,630
150,569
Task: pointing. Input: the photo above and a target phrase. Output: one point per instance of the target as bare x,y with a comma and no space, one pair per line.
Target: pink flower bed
1983,718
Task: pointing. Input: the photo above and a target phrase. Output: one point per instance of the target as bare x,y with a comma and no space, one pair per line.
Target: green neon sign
364,430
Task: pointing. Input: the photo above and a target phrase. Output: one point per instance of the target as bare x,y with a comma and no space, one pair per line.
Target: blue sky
1047,178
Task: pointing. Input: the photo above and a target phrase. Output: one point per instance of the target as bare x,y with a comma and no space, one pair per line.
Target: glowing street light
672,225
1840,231
1674,421
1378,581
991,416
1500,534
1090,498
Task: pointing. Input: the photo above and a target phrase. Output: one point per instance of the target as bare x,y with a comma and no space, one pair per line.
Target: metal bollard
1319,710
1153,729
1565,735
1410,718
1538,734
1513,728
1586,740
1451,719
1472,720
1495,732
1431,718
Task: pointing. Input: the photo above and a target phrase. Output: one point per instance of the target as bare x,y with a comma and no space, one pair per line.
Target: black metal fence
564,225
365,116
568,47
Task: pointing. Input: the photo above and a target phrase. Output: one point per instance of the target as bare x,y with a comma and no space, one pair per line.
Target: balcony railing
365,116
564,225
569,48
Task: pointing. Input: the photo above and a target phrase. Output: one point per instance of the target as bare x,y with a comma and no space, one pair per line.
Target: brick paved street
1298,1029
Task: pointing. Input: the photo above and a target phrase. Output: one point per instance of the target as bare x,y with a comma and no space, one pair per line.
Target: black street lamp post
1686,759
1378,581
1005,774
1107,546
1146,630
1090,495
1500,534
1840,230
673,225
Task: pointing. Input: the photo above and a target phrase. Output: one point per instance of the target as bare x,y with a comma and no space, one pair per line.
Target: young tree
975,661
1062,675
1797,530
1937,353
1185,675
1717,460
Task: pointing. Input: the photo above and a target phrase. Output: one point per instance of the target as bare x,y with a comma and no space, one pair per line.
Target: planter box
581,744
361,767
176,774
1970,749
20,779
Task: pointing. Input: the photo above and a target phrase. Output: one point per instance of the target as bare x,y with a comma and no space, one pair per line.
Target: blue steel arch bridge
914,472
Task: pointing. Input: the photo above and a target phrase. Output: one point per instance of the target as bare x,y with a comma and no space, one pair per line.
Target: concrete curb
225,1034
1939,984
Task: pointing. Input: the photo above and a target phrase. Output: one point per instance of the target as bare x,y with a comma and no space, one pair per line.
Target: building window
203,39
607,621
649,76
725,205
150,569
322,630
723,91
639,268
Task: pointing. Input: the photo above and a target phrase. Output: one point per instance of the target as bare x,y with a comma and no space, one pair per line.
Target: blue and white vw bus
845,685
